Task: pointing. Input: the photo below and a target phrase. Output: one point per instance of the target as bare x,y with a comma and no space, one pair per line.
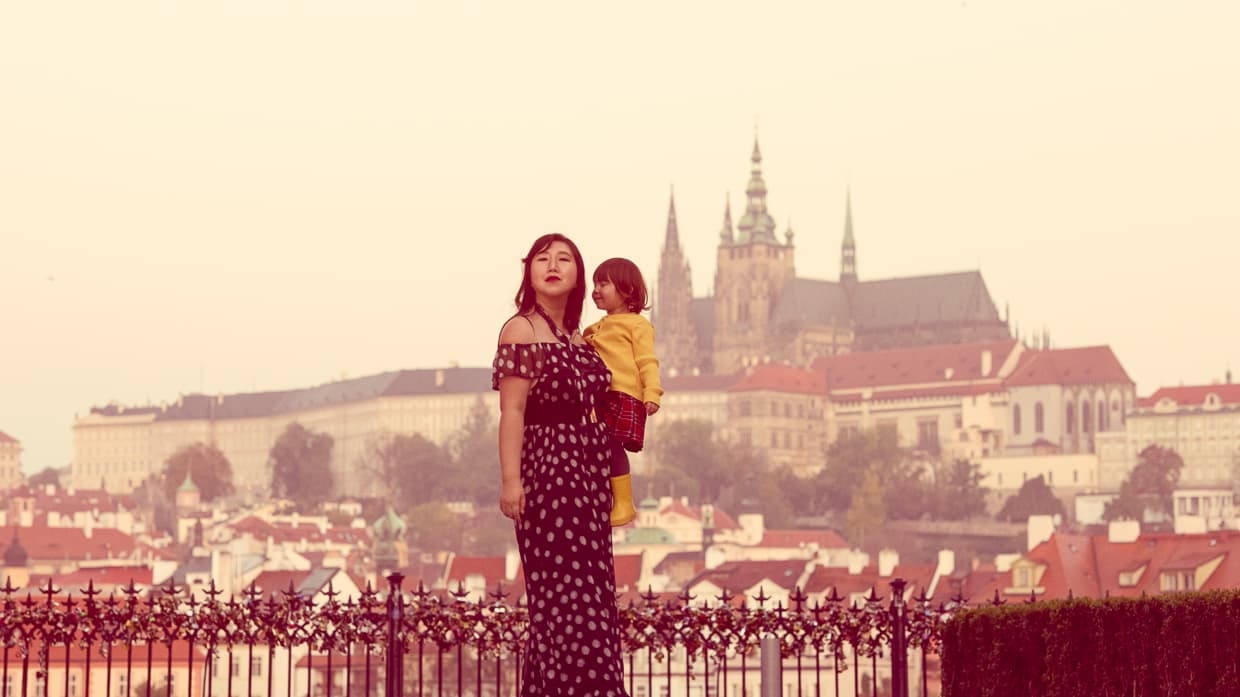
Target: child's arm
647,364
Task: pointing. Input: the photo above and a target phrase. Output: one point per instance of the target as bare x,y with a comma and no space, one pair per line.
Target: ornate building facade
760,311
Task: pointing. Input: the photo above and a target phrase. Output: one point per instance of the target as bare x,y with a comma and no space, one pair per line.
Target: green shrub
1181,644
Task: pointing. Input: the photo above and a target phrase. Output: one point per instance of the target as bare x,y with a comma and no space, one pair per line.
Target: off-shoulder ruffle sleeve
516,360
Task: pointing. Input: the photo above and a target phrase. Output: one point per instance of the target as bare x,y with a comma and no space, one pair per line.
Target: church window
1086,417
1102,416
1070,420
1039,418
1016,419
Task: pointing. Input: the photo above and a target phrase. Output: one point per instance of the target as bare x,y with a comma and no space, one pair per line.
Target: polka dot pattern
565,536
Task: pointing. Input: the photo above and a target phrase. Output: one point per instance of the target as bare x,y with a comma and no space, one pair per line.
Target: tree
433,527
693,447
1149,486
1034,498
958,491
474,452
48,475
867,512
209,468
489,534
414,469
300,464
849,458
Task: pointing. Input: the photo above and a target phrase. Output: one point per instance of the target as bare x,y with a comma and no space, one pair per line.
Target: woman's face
553,271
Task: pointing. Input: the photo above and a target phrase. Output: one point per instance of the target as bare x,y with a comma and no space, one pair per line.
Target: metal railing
166,641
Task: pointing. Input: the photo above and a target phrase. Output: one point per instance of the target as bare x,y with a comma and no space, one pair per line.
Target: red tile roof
719,518
824,578
6,438
1089,365
44,543
1194,395
628,571
1090,565
914,366
775,377
825,539
104,578
740,576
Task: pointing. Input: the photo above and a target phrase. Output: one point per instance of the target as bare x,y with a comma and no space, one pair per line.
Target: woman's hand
651,408
512,500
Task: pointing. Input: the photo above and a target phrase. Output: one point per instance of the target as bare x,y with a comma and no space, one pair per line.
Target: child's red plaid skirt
624,417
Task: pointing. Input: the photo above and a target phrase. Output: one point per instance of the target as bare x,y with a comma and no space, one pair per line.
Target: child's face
607,297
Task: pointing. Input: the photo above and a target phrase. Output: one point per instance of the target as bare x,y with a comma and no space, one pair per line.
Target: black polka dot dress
565,534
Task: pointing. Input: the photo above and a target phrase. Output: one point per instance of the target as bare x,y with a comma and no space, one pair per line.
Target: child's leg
622,509
619,460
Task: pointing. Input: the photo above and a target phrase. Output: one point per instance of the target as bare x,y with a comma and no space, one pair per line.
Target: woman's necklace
555,329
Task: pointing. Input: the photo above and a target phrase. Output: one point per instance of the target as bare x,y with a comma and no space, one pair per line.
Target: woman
554,462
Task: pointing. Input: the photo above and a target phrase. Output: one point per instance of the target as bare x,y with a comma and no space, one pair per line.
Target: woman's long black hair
526,297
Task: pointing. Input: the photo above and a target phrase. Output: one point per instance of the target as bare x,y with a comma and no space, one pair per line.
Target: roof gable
1087,365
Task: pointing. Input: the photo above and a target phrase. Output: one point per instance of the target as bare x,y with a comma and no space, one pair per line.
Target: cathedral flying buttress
762,312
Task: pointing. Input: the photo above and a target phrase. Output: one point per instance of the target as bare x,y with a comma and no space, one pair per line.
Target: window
1039,418
122,687
1069,420
774,408
774,439
1102,416
743,408
1020,577
1085,417
256,666
800,411
1170,581
73,684
928,434
1016,419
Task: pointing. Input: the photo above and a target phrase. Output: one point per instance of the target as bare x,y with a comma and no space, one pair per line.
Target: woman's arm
512,395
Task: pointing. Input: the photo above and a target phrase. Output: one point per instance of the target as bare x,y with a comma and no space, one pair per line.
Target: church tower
751,271
848,250
675,333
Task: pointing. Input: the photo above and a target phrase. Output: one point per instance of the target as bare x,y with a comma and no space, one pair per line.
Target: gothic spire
725,234
756,224
672,240
848,250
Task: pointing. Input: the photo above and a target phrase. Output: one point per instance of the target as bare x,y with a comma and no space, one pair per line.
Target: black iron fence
167,641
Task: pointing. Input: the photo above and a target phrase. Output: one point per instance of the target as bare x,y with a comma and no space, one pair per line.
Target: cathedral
760,311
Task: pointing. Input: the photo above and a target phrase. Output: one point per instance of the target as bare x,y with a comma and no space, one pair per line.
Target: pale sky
251,195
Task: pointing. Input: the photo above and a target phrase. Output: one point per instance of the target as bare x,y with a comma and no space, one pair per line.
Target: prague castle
760,311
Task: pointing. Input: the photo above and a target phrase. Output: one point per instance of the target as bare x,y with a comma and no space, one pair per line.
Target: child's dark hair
627,279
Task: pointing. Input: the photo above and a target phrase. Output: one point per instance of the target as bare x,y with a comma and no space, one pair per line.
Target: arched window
1086,420
1070,420
1039,418
1102,416
1016,419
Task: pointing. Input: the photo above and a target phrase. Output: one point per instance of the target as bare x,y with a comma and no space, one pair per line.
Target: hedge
1178,644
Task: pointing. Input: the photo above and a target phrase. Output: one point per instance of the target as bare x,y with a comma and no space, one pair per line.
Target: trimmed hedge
1178,644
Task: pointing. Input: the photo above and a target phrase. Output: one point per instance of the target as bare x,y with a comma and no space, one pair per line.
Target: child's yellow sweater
625,342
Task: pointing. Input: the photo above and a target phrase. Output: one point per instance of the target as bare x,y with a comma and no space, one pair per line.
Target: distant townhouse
1200,422
10,461
780,410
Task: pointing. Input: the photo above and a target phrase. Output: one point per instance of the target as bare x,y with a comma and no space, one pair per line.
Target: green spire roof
188,484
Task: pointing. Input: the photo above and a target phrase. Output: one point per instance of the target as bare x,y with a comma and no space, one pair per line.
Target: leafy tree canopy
300,464
1034,498
209,468
1149,486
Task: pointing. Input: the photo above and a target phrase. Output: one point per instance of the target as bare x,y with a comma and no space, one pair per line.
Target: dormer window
1213,401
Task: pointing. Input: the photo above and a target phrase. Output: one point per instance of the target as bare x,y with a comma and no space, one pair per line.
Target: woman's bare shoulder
518,330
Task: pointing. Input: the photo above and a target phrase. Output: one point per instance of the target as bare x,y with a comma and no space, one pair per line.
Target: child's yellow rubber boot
622,510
